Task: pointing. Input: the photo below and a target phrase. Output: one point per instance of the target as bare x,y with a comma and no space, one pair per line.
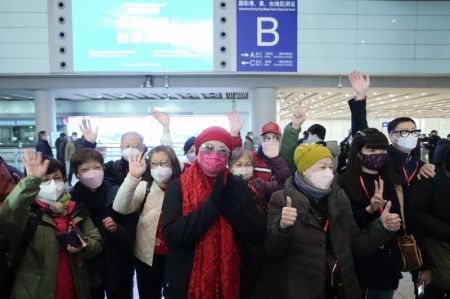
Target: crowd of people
289,217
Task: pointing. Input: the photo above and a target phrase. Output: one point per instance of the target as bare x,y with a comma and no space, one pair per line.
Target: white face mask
407,143
130,152
191,157
312,139
161,174
51,191
245,172
321,179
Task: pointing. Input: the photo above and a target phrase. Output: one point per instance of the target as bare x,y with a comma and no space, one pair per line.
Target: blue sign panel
267,36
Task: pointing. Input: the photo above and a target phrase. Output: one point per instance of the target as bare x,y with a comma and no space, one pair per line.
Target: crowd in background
289,215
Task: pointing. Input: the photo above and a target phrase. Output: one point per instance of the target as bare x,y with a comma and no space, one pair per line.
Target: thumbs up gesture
288,215
390,221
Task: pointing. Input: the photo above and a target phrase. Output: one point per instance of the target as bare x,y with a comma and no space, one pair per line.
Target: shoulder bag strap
401,200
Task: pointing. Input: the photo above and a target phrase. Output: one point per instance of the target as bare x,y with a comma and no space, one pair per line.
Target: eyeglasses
57,178
405,133
268,138
162,163
209,148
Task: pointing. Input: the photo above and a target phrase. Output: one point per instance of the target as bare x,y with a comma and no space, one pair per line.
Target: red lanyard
367,192
325,228
410,178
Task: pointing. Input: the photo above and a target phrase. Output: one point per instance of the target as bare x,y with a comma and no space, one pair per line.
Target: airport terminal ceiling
327,101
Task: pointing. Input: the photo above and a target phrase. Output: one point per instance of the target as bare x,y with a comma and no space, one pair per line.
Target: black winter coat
380,270
115,263
182,232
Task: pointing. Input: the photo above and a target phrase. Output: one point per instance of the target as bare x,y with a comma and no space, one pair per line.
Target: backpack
9,263
7,182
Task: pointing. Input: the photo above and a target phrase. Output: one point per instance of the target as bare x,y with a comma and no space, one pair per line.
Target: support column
45,111
263,108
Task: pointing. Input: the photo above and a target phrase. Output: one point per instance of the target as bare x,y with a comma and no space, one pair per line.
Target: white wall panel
386,7
433,8
373,36
24,65
327,6
23,6
433,37
20,35
24,44
386,51
326,21
24,50
391,22
433,51
23,19
327,36
325,51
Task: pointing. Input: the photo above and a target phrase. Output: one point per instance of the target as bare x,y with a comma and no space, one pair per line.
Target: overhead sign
267,36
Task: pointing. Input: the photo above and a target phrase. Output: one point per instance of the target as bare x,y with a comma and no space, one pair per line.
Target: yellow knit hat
306,155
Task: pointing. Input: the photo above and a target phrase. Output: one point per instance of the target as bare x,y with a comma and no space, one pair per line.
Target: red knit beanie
214,133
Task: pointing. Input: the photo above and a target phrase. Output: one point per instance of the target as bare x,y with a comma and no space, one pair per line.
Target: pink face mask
92,178
212,163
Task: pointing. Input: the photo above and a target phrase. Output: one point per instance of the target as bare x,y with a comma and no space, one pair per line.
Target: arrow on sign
245,62
245,54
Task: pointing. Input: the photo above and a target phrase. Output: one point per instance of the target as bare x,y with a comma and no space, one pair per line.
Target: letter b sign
272,30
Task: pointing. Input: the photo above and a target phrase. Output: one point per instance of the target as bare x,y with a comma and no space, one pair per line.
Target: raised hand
271,148
359,84
162,117
377,201
299,116
34,164
86,129
137,165
236,123
288,214
110,225
390,221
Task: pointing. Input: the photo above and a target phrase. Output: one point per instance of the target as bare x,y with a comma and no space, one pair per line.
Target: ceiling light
407,97
392,95
424,93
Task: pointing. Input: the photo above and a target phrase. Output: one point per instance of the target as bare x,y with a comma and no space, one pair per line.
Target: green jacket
289,142
36,274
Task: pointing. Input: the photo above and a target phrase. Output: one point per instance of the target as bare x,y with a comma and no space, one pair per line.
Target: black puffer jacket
300,252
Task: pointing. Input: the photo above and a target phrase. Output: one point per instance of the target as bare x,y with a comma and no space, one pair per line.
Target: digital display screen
136,36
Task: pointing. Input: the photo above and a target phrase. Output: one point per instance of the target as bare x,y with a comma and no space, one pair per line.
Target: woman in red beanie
208,214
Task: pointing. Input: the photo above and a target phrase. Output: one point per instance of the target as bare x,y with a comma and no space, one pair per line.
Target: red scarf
217,261
65,286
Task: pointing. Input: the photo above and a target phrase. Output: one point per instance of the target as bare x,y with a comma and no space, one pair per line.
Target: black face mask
374,161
